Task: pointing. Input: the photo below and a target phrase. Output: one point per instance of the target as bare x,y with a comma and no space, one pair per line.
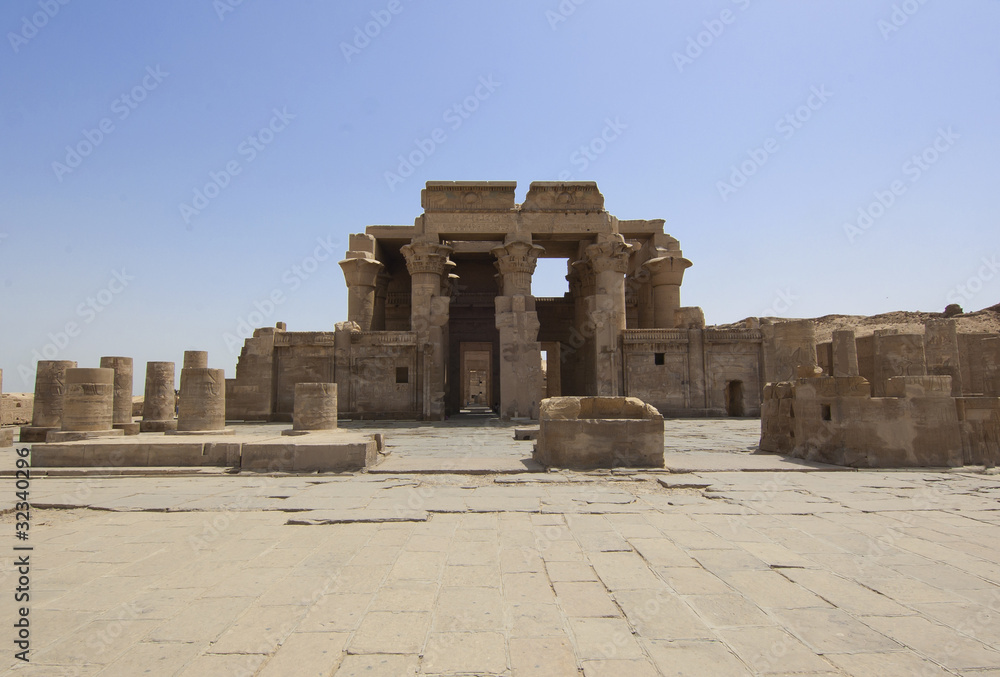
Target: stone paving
647,573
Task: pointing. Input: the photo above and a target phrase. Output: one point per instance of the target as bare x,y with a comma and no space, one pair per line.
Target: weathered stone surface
123,369
159,399
315,406
89,402
607,432
203,400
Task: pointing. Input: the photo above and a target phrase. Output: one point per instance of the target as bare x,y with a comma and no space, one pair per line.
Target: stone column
203,400
362,278
315,406
428,263
89,402
941,352
50,388
517,320
845,353
122,367
381,294
578,355
158,398
666,275
609,260
640,282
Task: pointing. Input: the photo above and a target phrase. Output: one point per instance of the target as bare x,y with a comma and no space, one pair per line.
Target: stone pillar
941,352
697,381
122,367
897,355
50,388
428,263
90,399
381,294
579,355
203,400
666,275
845,353
788,346
362,278
640,283
517,320
990,348
6,434
609,260
315,406
158,398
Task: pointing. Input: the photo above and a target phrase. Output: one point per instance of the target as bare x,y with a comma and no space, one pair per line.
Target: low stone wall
916,424
599,432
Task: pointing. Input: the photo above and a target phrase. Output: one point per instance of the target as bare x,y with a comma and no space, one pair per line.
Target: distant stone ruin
885,400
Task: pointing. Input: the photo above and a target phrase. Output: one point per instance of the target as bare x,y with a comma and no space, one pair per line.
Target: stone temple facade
441,317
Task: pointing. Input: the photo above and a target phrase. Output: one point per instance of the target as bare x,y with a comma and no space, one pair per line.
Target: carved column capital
361,272
516,261
427,257
666,270
611,255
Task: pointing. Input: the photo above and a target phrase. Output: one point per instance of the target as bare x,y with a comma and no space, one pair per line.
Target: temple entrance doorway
476,375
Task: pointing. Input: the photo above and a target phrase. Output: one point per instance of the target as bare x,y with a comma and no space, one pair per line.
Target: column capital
666,270
427,257
361,271
516,260
517,257
582,278
611,255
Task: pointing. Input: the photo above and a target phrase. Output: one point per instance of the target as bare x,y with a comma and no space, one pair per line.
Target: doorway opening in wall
734,399
476,376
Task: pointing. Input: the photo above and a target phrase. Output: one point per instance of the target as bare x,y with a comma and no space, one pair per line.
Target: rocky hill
907,322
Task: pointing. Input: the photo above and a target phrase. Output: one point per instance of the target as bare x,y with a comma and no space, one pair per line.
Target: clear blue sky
100,240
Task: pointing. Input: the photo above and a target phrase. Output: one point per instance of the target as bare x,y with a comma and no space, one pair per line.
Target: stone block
607,432
918,386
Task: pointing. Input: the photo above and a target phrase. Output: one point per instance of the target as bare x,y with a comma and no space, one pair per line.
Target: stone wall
694,372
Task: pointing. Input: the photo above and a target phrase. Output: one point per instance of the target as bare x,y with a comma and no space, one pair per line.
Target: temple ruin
441,317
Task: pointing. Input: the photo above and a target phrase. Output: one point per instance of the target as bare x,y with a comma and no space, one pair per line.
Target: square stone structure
441,317
893,400
599,432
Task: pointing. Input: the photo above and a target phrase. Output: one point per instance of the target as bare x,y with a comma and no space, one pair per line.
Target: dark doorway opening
734,399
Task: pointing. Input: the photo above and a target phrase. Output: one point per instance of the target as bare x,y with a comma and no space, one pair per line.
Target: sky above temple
173,174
